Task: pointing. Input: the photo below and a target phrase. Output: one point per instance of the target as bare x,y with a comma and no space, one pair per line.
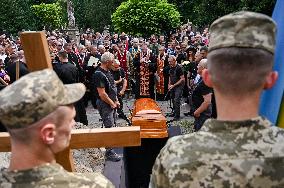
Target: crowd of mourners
142,67
240,148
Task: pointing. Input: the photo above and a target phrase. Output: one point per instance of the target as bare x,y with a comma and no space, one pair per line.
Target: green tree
16,16
146,17
94,13
37,2
48,15
263,6
204,12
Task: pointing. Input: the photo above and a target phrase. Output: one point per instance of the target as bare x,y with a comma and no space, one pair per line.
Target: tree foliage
37,2
145,17
49,15
204,12
95,14
15,16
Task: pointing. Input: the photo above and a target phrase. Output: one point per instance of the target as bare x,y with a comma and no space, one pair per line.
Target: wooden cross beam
88,138
38,58
36,50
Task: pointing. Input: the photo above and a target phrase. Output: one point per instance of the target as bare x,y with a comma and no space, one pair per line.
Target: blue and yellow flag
271,105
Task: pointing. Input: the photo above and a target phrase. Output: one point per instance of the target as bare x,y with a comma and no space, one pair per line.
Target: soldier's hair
239,71
63,54
107,56
25,135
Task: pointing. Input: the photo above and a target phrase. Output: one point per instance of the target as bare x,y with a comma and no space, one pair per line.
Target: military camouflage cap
243,29
34,96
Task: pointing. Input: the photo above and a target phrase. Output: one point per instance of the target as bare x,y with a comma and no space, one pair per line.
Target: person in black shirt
121,83
10,50
204,52
201,99
90,69
55,62
115,39
68,74
74,59
193,68
12,67
194,59
180,56
176,85
107,101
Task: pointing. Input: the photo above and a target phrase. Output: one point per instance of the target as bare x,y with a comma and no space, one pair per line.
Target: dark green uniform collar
257,123
34,174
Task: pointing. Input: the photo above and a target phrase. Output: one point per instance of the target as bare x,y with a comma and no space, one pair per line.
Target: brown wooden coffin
147,114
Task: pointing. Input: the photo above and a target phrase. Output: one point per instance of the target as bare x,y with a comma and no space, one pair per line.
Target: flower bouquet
185,66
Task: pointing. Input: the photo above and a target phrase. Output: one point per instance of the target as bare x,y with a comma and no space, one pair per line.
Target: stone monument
72,30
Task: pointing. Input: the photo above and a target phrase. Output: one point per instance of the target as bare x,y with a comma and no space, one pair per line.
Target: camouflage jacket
51,176
223,154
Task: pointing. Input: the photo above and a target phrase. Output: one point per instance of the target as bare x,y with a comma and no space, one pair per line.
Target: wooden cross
38,58
36,50
88,138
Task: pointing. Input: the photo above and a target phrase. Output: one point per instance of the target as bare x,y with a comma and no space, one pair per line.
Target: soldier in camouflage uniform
38,112
239,148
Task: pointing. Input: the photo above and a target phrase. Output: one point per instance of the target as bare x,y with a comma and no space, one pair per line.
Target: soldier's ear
47,133
270,80
207,78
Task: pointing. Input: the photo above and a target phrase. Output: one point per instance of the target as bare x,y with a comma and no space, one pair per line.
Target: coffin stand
154,135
